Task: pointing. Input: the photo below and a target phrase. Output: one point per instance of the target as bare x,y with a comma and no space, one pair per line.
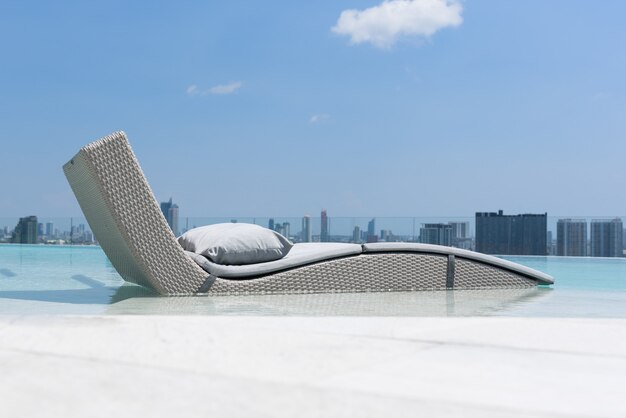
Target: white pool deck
248,366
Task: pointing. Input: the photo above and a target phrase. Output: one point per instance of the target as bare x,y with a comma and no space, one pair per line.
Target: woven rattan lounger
127,222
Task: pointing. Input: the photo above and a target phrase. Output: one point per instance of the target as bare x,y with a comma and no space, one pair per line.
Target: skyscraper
571,237
356,235
460,230
551,243
170,212
439,234
385,235
460,235
307,235
606,238
26,231
324,237
286,229
49,229
371,229
525,234
270,224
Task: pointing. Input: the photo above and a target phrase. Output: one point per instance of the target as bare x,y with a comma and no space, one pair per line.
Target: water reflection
132,299
128,291
7,273
89,296
96,293
428,303
88,281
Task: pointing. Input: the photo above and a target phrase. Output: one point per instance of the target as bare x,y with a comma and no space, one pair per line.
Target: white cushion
236,243
300,255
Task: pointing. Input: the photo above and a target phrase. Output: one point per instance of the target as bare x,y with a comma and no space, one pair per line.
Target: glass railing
563,233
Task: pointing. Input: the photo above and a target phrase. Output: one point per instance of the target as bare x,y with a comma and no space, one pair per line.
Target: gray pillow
236,243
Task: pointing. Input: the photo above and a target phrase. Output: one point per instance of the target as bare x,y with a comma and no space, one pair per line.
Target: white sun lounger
127,222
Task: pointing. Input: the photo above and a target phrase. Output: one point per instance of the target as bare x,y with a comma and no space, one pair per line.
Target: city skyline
230,90
29,230
494,232
188,222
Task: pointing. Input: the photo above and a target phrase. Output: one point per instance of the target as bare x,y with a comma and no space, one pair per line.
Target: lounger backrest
126,220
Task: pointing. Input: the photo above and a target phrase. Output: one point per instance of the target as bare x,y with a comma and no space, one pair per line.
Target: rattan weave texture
363,273
109,168
473,275
102,222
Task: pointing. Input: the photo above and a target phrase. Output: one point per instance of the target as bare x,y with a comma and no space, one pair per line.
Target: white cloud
382,25
226,88
315,119
230,88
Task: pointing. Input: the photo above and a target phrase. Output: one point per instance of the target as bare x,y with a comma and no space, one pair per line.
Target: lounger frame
125,218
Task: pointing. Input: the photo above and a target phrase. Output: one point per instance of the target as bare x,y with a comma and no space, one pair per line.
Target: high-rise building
524,234
371,229
386,235
460,230
26,231
270,224
170,212
49,229
356,235
324,237
439,234
369,238
283,228
607,238
571,237
551,243
460,235
173,221
307,235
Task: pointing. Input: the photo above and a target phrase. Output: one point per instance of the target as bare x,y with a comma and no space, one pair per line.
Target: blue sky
246,108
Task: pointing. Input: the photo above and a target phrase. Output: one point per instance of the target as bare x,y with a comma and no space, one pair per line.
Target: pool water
37,279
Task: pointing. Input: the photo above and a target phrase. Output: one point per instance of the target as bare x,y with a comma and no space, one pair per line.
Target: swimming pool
39,279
